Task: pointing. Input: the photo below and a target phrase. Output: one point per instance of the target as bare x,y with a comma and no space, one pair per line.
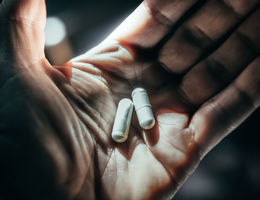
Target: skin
199,62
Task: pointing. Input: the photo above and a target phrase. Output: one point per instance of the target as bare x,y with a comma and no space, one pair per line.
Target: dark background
232,169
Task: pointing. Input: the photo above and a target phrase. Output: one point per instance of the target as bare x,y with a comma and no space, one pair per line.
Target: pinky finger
227,110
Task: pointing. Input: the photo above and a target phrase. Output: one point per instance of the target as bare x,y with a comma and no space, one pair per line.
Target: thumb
22,29
30,10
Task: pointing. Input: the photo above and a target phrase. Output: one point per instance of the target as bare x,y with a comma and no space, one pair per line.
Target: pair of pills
124,114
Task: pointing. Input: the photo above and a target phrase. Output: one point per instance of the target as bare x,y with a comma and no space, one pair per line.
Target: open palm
58,119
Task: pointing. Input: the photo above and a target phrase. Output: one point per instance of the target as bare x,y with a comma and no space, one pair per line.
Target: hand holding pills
199,61
124,114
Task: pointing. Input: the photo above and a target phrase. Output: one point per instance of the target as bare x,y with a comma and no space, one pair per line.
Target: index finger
151,21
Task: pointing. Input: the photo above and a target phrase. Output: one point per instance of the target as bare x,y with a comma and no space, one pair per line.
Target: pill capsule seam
146,105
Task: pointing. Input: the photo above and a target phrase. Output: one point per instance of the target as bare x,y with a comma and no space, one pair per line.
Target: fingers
202,31
223,113
150,22
209,76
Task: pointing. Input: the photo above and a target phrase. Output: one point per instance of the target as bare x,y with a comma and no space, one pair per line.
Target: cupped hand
198,61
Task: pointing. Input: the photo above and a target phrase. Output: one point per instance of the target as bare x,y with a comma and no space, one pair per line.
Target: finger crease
157,14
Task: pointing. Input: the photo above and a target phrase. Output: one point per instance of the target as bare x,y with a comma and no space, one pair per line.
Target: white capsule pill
143,108
122,120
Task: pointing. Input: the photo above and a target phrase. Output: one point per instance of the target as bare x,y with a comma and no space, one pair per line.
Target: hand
57,122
